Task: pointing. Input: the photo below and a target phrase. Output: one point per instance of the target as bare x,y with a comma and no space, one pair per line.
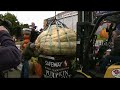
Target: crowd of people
111,55
10,55
29,51
13,57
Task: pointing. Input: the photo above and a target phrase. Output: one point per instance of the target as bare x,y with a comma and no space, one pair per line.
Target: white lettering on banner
47,73
56,75
53,64
56,70
61,74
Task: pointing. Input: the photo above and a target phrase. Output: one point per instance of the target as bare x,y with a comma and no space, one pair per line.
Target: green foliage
73,65
16,28
1,16
15,23
11,17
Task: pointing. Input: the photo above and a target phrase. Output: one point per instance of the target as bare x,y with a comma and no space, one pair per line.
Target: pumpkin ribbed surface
57,40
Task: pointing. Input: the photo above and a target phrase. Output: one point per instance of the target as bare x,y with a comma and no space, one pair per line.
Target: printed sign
69,14
98,42
56,69
102,12
116,73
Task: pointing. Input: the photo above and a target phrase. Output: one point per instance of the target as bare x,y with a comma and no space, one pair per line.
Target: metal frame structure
86,27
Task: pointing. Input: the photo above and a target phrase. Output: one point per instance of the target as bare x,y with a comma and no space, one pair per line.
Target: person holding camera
10,55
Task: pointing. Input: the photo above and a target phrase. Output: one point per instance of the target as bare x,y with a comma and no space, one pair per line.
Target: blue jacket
10,55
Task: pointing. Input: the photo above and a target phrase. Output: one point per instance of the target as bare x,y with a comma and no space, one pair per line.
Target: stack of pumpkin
34,67
26,36
26,40
57,40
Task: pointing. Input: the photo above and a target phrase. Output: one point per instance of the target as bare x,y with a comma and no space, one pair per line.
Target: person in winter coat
112,56
28,52
10,55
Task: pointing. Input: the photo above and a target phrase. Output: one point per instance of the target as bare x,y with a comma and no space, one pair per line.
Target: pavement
17,73
13,73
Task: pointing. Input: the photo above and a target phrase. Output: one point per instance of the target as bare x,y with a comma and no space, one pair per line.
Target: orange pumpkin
24,45
26,41
26,36
104,34
38,69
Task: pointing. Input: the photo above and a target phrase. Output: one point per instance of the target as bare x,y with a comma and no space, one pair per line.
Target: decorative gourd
57,40
103,34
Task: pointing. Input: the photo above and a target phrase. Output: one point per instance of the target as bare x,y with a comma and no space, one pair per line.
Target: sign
98,13
68,14
56,69
98,42
116,73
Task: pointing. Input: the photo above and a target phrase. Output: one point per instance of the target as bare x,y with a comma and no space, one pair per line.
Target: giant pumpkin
104,34
57,40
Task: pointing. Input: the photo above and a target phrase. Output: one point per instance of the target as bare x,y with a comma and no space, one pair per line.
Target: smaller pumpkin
103,34
38,69
24,45
26,41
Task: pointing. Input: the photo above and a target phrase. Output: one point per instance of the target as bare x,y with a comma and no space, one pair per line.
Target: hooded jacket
10,55
116,41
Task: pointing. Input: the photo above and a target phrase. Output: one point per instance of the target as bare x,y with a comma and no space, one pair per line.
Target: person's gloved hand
30,51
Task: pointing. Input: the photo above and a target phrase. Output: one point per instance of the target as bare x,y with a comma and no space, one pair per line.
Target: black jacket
33,36
10,55
116,50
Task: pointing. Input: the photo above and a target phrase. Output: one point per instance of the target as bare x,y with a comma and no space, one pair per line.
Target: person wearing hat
112,56
34,33
28,52
10,55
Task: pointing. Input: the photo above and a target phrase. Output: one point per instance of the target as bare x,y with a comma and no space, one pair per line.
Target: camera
6,23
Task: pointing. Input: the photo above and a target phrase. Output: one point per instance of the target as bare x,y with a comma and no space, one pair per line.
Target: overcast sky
27,17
